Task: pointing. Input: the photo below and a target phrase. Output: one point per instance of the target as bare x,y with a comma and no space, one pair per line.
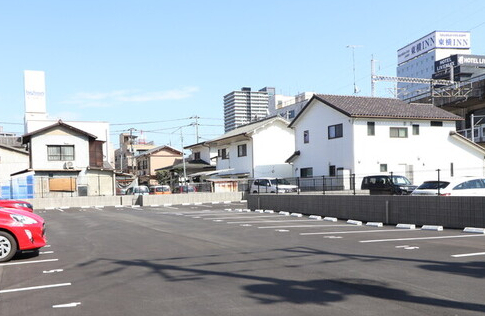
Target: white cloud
117,97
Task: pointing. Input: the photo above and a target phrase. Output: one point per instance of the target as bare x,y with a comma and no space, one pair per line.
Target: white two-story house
258,149
67,161
365,135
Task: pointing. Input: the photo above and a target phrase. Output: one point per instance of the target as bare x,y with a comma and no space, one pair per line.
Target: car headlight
23,219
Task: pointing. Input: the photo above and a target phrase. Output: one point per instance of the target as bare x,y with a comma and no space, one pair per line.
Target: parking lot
222,259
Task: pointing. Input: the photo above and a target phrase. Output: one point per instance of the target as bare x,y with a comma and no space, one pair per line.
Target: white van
272,185
138,190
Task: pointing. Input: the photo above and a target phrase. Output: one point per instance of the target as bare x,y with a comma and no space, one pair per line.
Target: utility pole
132,151
353,47
183,158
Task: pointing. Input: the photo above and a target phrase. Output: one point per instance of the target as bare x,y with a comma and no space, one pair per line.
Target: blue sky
152,64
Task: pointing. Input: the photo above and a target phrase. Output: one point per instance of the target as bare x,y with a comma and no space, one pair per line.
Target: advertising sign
34,84
457,60
450,40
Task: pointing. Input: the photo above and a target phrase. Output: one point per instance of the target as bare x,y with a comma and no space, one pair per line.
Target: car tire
8,246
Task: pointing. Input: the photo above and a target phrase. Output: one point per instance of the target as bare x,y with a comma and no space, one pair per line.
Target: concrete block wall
447,211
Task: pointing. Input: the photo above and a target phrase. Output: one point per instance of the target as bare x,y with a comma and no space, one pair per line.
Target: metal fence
52,187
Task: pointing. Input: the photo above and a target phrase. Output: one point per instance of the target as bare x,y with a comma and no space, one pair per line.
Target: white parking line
277,221
469,254
45,252
26,262
233,217
74,304
301,226
357,231
420,238
35,288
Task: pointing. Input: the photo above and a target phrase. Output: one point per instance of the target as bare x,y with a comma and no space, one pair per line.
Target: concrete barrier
142,200
447,211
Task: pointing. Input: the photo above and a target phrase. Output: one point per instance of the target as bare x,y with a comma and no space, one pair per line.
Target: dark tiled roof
355,106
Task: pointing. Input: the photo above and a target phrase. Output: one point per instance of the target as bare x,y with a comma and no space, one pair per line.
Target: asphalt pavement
221,259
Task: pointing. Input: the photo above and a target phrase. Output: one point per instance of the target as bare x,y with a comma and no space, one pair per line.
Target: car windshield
433,185
140,190
279,182
400,180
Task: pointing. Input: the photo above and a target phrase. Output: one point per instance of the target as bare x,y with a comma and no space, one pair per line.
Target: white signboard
454,40
34,84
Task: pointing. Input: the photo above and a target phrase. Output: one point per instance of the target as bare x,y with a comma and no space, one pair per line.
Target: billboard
437,39
457,60
34,87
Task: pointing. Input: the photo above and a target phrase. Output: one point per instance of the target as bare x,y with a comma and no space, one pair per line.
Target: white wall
320,152
272,145
59,137
12,161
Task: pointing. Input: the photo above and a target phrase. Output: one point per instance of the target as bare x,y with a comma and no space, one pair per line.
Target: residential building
343,135
258,149
130,146
155,158
67,161
417,59
245,106
12,159
287,106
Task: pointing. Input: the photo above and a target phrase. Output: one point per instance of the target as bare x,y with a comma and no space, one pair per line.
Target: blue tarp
18,188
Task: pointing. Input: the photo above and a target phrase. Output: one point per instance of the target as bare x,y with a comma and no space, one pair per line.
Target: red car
20,230
21,205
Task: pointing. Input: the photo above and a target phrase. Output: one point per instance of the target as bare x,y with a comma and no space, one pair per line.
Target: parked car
272,185
17,204
120,191
19,231
138,190
387,184
184,189
469,186
160,189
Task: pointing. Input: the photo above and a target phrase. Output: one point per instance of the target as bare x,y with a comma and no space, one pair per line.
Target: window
383,167
306,172
197,155
436,123
371,128
306,137
332,171
60,152
223,154
242,150
335,131
291,114
415,129
398,132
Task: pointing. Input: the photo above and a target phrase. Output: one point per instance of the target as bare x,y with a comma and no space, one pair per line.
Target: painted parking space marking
45,252
277,221
361,231
74,304
302,226
27,262
31,288
52,271
469,254
420,238
237,217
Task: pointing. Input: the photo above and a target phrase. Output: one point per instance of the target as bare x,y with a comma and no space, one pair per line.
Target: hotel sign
450,40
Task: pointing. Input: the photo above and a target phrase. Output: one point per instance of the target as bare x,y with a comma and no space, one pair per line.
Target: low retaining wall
80,201
446,211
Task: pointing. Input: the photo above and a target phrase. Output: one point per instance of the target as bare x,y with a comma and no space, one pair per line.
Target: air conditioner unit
68,165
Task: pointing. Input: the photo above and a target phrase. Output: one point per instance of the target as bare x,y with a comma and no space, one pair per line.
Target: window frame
306,137
399,130
335,131
371,128
242,150
61,156
308,172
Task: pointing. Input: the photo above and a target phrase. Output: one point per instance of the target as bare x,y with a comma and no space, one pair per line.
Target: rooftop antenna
353,47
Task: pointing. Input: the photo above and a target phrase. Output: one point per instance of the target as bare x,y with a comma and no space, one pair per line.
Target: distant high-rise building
417,60
245,106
